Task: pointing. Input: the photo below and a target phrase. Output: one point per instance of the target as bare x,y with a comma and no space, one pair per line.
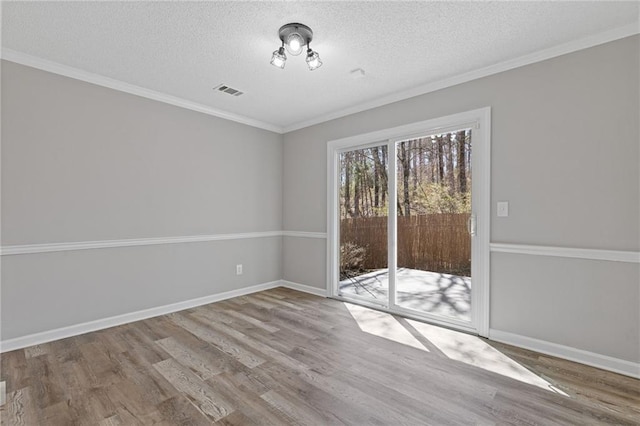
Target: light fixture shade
294,43
313,60
294,37
279,59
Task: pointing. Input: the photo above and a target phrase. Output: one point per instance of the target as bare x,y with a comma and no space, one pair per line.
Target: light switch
503,208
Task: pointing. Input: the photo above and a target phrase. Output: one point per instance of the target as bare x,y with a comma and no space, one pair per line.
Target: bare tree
347,183
403,157
450,173
462,163
440,159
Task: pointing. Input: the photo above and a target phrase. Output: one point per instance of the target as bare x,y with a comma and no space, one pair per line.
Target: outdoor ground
440,294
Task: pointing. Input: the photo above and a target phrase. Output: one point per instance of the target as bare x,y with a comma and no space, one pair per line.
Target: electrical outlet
239,269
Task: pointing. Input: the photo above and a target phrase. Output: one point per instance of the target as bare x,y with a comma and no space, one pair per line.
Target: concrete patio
439,294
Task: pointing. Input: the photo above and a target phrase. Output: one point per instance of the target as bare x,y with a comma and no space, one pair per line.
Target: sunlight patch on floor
451,344
383,325
474,351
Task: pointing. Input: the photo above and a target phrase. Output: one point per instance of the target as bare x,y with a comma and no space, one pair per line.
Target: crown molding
100,80
541,55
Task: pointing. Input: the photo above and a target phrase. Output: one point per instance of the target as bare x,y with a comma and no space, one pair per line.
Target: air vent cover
228,90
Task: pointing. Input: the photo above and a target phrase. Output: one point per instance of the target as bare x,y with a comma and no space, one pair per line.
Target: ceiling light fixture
294,37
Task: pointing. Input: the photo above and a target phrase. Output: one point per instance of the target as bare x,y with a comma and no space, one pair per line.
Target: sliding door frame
479,121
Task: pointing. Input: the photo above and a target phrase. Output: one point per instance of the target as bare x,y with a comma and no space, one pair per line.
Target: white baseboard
100,324
593,359
604,362
304,288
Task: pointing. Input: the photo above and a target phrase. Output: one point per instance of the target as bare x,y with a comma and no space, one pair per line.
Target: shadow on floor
436,293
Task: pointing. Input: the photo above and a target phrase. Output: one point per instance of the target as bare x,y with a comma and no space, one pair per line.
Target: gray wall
565,153
83,163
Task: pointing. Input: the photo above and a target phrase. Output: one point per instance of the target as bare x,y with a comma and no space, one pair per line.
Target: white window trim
480,121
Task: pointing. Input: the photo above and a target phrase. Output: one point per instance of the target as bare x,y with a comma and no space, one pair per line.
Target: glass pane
364,198
433,241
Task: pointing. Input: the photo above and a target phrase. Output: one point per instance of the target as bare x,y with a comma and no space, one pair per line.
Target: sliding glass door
433,211
404,219
363,213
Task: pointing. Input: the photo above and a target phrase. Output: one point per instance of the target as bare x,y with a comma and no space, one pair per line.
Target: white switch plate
239,269
503,208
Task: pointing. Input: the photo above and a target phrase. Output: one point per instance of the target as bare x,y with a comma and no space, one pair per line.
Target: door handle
471,225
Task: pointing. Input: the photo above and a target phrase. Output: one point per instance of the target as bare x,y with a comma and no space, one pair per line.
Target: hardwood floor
285,357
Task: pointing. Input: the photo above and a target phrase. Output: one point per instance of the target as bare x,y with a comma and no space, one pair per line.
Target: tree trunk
376,176
356,186
381,165
347,184
450,173
440,160
383,175
406,171
413,152
462,163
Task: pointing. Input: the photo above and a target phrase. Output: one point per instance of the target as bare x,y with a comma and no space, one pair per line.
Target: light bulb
294,44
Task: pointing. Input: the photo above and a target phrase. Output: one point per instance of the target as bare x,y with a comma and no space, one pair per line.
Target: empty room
320,213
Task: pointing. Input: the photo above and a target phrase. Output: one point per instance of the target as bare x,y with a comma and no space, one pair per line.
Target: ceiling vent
228,90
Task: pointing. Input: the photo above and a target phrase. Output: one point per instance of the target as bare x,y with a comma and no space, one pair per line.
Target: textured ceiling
185,49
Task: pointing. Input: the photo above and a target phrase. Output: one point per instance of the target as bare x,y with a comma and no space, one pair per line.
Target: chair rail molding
303,234
570,252
87,245
12,250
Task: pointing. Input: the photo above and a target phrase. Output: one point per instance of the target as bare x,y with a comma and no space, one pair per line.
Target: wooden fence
433,242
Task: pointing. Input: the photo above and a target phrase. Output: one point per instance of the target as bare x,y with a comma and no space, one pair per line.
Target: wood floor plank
295,410
13,367
137,341
204,397
20,408
255,322
132,402
111,421
237,352
49,387
36,350
284,357
189,358
179,411
252,299
245,390
139,372
65,350
277,301
346,404
102,366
